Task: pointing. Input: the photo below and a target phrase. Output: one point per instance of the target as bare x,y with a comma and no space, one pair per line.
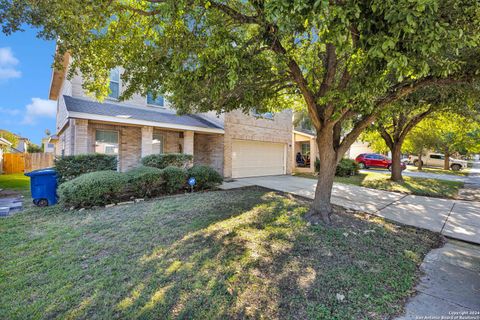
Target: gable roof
125,114
5,141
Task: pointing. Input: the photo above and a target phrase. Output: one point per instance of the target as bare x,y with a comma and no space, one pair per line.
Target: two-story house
234,143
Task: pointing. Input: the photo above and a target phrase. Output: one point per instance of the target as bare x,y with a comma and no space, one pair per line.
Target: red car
375,160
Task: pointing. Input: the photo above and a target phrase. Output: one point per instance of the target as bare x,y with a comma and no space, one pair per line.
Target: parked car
438,160
375,160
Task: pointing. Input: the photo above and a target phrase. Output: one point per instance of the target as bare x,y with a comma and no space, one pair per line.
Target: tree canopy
345,61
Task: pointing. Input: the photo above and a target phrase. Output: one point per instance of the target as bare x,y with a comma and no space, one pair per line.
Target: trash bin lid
42,172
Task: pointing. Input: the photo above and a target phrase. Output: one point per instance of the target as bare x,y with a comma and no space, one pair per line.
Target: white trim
304,134
89,116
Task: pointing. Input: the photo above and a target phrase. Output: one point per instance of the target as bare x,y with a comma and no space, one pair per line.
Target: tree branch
386,137
300,80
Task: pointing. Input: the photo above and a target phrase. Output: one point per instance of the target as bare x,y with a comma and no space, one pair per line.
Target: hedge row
161,161
70,167
105,187
345,168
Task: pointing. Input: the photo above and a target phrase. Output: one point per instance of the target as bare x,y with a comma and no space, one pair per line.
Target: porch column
188,142
80,136
313,154
147,140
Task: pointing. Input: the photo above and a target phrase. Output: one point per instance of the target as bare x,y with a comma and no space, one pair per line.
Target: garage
257,158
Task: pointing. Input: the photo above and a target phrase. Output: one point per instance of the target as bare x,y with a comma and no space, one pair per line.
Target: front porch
131,143
305,152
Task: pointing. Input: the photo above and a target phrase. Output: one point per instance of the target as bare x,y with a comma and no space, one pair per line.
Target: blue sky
25,72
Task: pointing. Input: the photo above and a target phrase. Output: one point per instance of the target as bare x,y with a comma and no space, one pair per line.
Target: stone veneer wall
246,127
208,150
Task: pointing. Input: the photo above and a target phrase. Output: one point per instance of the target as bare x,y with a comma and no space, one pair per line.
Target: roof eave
58,76
130,121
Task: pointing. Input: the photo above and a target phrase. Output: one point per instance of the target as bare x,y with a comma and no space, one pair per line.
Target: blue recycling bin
43,185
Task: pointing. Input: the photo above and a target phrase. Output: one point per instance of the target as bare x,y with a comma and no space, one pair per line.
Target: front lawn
219,255
410,185
16,181
463,172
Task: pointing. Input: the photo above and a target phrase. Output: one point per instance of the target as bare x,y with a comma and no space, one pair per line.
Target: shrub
206,177
162,161
93,189
70,167
175,179
145,182
346,167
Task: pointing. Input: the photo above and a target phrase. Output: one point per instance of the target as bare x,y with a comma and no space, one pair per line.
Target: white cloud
9,112
8,62
39,108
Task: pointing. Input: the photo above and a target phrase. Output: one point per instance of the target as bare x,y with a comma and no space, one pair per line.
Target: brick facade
246,127
77,136
208,150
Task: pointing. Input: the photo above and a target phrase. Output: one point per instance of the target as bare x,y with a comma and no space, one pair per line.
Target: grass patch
17,181
217,255
410,185
463,172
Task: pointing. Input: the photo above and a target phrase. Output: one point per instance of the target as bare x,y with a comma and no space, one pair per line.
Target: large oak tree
345,60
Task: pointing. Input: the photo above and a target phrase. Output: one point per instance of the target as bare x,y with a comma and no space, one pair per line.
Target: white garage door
255,158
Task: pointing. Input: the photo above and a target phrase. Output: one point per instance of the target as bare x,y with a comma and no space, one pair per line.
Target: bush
346,168
70,167
206,177
93,189
175,179
145,182
162,161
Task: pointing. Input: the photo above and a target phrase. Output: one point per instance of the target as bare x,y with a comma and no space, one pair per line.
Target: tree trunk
396,166
420,162
321,208
446,163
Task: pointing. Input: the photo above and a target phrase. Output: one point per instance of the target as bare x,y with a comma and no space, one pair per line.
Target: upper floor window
265,115
114,83
155,101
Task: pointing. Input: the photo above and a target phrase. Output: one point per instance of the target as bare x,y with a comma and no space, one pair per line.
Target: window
158,101
114,83
266,115
106,142
306,148
437,156
157,143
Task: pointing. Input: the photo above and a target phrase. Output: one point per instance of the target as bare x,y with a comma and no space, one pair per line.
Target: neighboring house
235,144
22,145
5,146
49,144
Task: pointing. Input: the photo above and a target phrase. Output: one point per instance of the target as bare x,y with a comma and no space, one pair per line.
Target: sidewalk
456,219
471,189
450,284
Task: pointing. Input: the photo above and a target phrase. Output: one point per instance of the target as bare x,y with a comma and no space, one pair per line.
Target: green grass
463,172
219,255
410,185
17,181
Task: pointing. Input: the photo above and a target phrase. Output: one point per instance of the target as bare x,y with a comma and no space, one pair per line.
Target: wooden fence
26,162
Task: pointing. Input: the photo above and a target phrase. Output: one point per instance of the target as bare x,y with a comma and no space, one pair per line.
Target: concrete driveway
453,218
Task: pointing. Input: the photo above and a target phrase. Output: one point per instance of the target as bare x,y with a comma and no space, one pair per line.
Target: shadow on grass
234,254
